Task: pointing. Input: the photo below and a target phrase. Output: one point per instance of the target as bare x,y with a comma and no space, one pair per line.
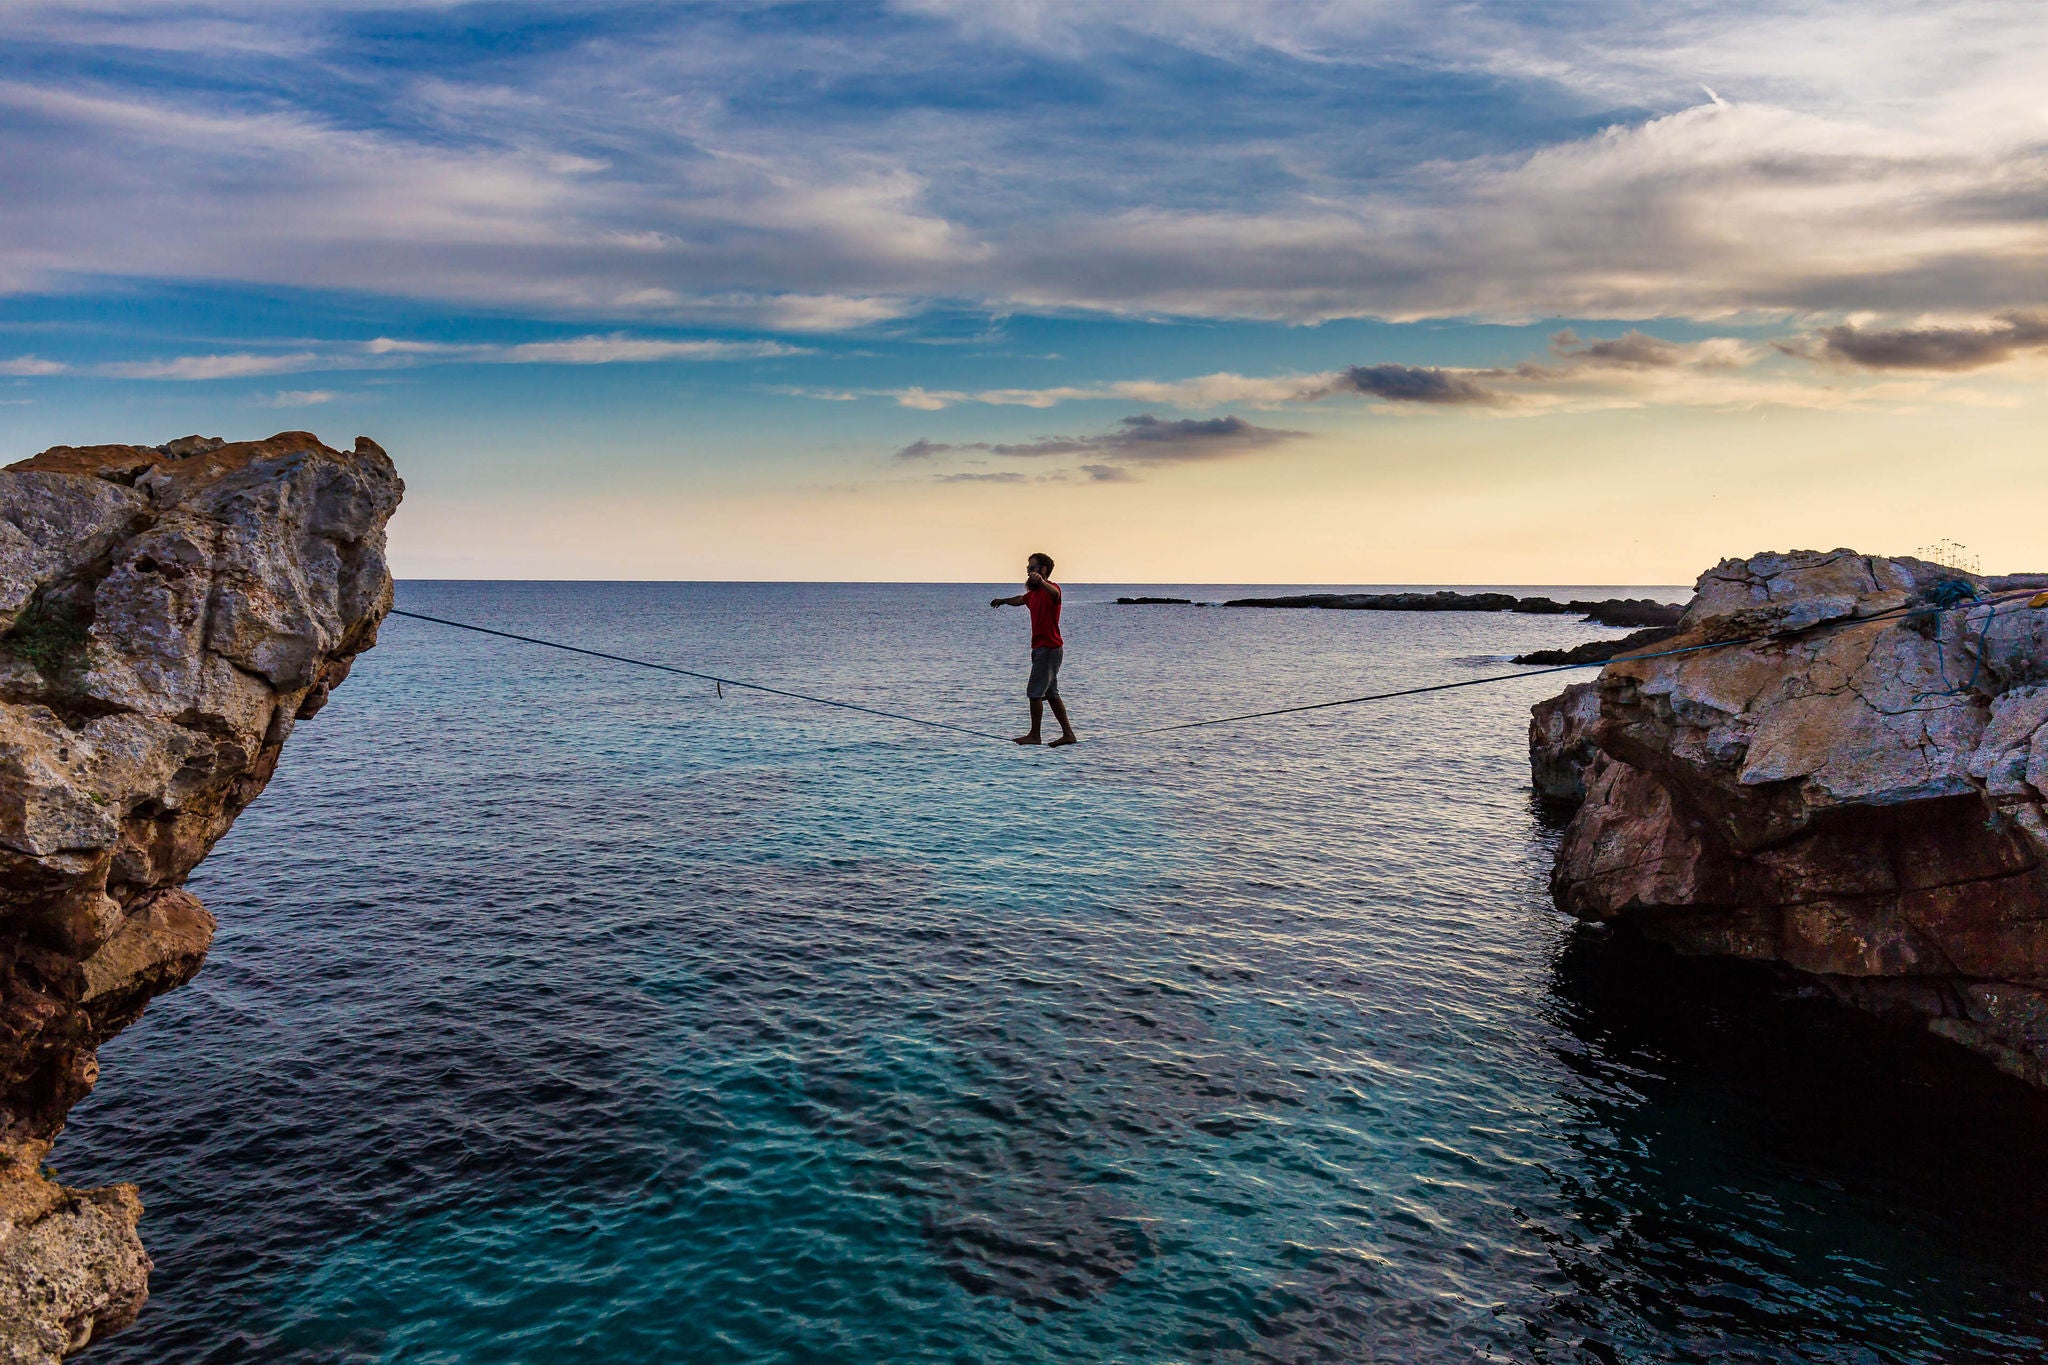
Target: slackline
1891,614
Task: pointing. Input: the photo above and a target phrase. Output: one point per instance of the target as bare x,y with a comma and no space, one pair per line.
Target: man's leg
1037,719
1059,713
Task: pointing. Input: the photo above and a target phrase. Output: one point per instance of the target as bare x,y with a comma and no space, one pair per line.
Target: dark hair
1043,558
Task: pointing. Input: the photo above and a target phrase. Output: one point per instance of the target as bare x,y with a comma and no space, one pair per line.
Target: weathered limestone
1863,802
167,615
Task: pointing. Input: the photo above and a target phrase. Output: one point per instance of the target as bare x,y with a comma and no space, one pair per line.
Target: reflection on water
1765,1176
564,1011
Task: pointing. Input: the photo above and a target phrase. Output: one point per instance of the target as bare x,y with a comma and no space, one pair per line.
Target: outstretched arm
1016,601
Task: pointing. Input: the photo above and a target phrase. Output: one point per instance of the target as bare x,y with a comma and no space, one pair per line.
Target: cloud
1145,439
814,312
587,350
239,365
300,398
389,353
1931,348
30,366
657,162
1632,350
607,350
1205,391
1004,477
927,402
1151,438
1574,372
1411,384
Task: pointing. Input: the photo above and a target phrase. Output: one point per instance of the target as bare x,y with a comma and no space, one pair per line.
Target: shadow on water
1768,1176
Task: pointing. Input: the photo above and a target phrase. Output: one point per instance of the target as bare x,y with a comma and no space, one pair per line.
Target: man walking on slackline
1041,596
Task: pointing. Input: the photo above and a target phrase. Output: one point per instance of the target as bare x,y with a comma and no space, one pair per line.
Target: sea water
562,1010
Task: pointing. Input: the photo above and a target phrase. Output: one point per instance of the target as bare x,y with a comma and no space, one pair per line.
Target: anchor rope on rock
1936,605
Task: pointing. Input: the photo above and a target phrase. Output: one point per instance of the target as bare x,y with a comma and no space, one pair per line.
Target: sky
1209,291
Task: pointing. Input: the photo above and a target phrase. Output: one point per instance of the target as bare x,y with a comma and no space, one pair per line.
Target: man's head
1040,564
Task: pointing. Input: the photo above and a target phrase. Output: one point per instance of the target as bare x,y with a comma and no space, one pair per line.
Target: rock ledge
167,615
1862,803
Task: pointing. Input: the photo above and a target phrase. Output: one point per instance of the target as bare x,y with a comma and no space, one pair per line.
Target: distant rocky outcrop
1155,601
1599,651
167,615
1859,800
1615,611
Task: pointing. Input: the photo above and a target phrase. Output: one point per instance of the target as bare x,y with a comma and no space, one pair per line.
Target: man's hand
995,601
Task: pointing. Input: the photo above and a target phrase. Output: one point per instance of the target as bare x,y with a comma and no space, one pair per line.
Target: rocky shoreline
168,614
1613,611
1600,651
1862,802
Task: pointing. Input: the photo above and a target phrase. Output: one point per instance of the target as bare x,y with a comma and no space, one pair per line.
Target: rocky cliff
167,615
1859,798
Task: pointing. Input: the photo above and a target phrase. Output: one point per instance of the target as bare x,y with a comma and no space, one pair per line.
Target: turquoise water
567,1011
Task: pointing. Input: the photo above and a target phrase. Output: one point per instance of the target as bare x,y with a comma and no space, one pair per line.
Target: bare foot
1031,738
1068,738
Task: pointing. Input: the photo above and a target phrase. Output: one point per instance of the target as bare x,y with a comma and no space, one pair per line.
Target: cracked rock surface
1862,802
167,615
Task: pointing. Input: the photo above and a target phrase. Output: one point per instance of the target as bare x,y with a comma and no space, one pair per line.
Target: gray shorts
1045,675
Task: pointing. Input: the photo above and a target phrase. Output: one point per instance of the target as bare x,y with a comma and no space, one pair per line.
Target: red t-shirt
1045,617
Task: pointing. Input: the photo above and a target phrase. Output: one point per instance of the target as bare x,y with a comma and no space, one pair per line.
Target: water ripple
561,1012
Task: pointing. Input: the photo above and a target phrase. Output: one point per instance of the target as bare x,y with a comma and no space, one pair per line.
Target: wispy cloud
1636,350
589,350
239,365
385,353
1145,439
29,367
1574,373
300,398
1205,391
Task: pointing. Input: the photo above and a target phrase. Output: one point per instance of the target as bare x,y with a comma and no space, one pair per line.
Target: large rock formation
1859,800
167,615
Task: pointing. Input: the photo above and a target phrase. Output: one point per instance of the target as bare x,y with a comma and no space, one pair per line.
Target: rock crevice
167,615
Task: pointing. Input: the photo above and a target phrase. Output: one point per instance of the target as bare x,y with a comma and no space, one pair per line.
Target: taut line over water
1901,613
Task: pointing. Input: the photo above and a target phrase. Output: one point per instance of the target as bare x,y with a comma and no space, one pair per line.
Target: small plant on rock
47,635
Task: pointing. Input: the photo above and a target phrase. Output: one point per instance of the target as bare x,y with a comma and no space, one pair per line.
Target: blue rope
1943,596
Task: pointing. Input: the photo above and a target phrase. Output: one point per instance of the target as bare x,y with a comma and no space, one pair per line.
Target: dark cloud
1144,439
1411,384
1051,445
1632,350
1152,438
1930,348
